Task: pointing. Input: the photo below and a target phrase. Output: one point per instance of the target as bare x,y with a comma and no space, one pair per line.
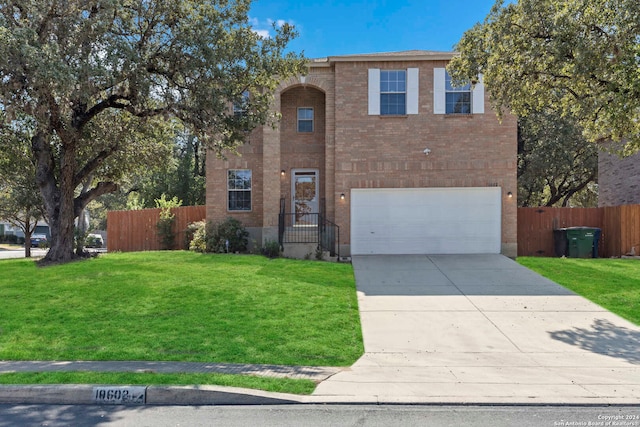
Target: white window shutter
412,91
439,95
374,91
477,97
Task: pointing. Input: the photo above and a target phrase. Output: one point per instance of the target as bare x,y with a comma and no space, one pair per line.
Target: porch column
271,176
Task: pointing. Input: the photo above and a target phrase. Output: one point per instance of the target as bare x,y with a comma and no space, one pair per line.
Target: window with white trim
393,92
458,99
448,99
239,189
305,119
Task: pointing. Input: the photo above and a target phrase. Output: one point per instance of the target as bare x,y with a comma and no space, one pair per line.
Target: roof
405,55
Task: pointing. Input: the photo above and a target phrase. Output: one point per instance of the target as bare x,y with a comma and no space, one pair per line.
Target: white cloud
264,28
262,33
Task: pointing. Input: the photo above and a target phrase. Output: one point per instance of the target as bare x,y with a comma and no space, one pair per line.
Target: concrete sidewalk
482,329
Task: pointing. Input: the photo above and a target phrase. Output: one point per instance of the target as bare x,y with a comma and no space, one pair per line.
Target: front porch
302,233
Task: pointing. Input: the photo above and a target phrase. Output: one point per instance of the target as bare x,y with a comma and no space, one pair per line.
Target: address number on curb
120,395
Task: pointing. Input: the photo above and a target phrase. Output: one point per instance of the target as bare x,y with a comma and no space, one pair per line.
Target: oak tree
556,164
103,80
579,58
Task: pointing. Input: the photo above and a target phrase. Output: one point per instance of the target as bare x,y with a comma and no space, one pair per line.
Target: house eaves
407,55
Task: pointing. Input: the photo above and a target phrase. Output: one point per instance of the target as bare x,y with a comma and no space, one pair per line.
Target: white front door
305,193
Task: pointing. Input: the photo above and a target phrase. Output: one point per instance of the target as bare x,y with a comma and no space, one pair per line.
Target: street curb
47,394
73,394
220,396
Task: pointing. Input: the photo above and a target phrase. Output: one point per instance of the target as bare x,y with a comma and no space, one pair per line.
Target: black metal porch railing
308,228
330,237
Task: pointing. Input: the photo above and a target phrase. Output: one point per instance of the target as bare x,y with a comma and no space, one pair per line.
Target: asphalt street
19,253
319,415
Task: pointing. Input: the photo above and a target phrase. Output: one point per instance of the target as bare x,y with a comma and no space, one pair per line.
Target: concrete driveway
482,329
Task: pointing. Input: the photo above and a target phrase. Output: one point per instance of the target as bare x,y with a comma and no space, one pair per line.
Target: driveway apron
482,329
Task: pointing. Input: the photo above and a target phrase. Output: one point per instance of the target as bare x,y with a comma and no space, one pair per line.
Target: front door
305,196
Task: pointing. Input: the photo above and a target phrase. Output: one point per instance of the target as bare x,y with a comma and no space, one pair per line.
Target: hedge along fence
620,227
131,231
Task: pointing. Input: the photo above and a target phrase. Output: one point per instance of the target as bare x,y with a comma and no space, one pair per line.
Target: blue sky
329,28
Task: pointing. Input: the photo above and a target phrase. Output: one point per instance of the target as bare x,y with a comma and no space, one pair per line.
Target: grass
278,385
611,283
181,306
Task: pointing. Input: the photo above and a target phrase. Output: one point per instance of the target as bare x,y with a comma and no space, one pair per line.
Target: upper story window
305,119
448,99
239,189
393,92
240,108
458,99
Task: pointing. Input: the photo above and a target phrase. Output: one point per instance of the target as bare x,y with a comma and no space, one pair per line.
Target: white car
94,241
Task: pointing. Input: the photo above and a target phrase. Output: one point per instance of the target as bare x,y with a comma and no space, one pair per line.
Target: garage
426,220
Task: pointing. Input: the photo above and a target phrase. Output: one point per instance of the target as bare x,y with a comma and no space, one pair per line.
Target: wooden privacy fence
130,231
620,227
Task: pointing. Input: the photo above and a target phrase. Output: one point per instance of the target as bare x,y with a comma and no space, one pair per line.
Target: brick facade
618,179
352,149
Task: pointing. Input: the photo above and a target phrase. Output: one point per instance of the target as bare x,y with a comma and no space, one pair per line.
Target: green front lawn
611,283
181,306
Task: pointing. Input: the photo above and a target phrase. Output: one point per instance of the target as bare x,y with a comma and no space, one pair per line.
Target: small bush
167,219
190,231
230,230
271,249
198,233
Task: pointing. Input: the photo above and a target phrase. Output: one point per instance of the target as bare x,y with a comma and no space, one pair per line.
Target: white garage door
425,220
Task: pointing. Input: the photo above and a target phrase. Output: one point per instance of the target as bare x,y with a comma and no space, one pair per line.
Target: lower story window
239,189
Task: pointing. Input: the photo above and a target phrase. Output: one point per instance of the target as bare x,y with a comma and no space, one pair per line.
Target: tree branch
83,200
93,164
113,101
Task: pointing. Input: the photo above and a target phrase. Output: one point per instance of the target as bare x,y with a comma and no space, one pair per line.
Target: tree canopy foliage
102,81
556,164
580,58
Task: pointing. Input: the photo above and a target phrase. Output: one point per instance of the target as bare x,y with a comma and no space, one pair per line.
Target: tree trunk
27,238
58,196
62,227
82,220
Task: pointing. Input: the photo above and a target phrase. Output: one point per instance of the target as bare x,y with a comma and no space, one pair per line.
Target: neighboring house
6,228
382,147
618,179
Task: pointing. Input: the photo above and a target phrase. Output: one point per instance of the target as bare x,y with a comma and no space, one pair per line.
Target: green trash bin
580,241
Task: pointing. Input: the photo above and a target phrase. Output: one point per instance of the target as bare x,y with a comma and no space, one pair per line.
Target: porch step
300,250
301,235
306,251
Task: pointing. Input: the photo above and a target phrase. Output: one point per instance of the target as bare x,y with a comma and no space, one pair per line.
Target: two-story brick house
385,148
